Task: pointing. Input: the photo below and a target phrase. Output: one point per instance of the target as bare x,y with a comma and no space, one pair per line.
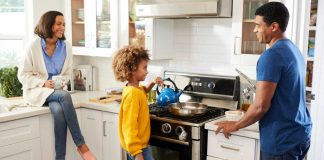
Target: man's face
263,32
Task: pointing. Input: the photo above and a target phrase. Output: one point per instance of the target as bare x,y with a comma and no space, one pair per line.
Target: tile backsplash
201,45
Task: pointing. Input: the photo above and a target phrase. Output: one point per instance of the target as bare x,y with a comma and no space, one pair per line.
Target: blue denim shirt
55,63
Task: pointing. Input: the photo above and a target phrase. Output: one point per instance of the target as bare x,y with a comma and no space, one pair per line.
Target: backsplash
202,42
201,45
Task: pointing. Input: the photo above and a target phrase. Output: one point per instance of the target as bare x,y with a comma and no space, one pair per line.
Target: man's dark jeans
297,153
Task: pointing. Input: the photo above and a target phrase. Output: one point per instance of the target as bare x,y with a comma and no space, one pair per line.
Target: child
130,65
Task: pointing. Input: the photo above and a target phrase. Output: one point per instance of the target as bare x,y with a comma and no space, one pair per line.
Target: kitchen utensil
252,85
59,81
187,108
168,95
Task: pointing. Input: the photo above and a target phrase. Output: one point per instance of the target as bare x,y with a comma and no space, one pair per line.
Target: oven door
170,149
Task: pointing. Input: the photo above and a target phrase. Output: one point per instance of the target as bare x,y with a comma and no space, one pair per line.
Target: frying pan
187,108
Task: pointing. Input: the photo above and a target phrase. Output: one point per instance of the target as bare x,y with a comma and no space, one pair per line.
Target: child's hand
139,157
158,80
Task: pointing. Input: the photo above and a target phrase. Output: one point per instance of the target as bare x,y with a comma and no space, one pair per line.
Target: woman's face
59,27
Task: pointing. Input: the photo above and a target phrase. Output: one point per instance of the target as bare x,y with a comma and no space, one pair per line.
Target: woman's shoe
88,155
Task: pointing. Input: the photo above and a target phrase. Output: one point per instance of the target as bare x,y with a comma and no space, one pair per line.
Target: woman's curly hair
126,60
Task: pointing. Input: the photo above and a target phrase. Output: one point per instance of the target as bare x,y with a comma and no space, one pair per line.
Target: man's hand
226,127
139,157
49,84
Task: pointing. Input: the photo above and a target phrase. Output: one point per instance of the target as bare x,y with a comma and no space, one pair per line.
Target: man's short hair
274,12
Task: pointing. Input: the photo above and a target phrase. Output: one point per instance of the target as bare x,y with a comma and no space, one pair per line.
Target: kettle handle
167,79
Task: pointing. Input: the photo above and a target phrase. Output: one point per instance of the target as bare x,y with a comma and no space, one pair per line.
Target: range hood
184,8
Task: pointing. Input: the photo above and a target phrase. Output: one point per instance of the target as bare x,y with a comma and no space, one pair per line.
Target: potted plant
9,83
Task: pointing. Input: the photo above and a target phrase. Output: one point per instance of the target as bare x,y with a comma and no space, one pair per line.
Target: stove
184,138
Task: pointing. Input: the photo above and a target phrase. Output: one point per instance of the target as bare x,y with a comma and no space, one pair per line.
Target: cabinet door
94,26
111,145
26,150
246,48
91,122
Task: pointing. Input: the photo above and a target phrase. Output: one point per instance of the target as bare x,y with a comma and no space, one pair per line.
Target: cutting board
106,99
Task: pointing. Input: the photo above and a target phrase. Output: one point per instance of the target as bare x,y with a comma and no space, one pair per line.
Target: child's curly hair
126,60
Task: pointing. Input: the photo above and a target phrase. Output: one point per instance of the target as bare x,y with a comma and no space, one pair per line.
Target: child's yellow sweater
134,120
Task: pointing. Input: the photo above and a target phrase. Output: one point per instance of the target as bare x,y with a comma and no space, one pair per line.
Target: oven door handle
170,140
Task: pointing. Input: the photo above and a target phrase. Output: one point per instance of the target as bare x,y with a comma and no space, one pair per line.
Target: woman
47,56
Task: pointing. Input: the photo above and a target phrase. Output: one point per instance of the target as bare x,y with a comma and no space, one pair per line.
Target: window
12,31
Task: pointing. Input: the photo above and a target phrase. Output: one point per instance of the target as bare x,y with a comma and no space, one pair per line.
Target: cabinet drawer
19,130
26,150
236,147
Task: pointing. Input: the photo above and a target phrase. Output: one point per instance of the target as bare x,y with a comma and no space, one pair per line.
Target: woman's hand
49,84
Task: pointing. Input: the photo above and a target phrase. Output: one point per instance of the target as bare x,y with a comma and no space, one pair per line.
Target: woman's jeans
297,153
61,106
147,154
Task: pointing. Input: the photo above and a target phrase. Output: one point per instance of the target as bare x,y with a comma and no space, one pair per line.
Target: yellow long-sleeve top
134,120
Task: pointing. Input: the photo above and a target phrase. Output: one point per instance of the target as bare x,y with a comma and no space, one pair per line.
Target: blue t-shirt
55,63
287,123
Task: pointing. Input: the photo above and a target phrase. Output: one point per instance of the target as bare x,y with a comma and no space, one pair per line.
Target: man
280,107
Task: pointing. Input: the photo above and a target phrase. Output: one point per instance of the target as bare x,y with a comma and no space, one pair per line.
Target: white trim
317,143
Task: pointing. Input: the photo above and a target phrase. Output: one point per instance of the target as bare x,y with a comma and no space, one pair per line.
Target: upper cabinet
92,26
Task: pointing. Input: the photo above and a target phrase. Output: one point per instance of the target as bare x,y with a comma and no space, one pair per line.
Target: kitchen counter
251,131
80,100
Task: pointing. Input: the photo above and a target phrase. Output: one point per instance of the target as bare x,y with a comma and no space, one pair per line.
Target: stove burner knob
166,128
211,85
181,133
179,130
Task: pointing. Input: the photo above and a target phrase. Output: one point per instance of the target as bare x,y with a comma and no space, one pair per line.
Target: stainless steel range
184,138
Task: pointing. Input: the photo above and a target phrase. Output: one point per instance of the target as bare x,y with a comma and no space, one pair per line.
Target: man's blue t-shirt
287,123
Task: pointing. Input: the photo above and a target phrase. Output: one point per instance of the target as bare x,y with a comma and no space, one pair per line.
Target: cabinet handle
230,148
104,128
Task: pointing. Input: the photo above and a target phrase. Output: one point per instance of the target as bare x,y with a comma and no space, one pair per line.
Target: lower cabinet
26,150
100,130
234,148
19,139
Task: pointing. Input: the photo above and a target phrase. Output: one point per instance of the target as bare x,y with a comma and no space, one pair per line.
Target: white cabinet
236,147
111,144
26,150
100,130
19,139
92,26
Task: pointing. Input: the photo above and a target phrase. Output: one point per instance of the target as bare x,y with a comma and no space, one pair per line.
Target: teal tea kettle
168,95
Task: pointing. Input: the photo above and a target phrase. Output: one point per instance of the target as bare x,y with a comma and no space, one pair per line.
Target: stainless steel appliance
184,137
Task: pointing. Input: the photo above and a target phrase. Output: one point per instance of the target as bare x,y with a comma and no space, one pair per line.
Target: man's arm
264,93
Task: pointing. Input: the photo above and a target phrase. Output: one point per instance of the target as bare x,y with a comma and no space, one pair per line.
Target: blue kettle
168,95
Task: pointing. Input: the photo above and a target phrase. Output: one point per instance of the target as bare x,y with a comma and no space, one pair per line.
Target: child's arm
157,80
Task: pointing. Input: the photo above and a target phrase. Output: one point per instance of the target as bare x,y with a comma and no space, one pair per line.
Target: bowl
234,115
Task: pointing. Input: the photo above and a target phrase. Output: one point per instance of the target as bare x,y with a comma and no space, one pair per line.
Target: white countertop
251,131
80,100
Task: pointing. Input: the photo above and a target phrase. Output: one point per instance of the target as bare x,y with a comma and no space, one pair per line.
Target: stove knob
179,130
182,134
211,85
166,128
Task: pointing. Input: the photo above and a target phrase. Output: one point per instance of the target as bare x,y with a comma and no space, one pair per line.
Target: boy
130,65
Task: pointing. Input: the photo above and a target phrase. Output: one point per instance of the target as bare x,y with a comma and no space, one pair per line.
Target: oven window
160,153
